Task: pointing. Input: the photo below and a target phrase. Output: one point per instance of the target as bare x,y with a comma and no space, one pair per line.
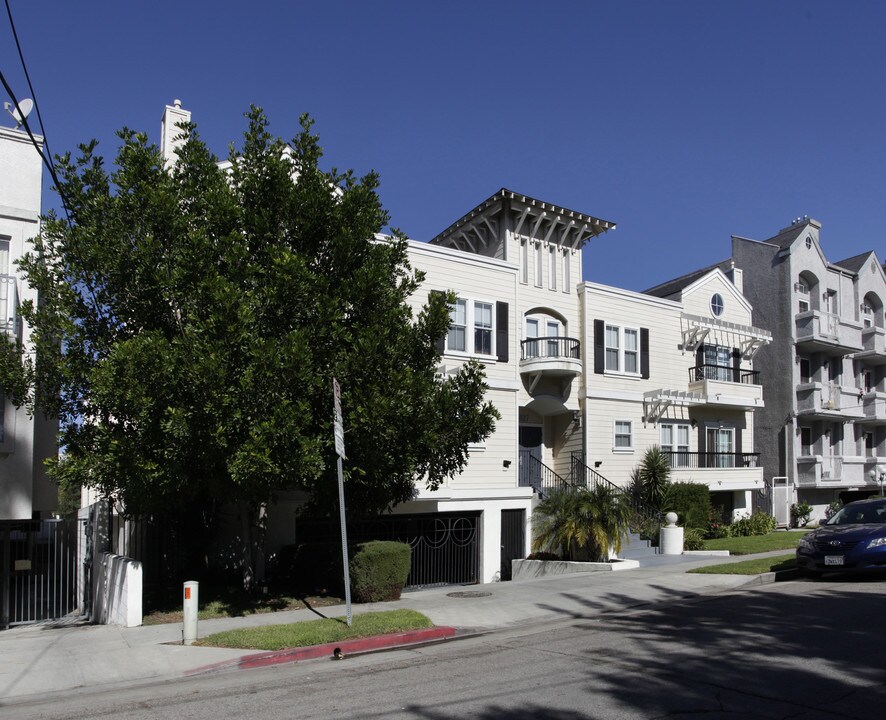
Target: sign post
339,431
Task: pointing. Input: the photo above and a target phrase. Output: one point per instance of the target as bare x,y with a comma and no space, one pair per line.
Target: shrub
759,523
650,480
692,503
379,570
693,539
543,556
800,513
716,526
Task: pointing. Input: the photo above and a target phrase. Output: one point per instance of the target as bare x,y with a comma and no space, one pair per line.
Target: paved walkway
39,659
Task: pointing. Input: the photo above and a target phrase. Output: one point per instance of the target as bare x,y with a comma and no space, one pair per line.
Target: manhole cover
469,594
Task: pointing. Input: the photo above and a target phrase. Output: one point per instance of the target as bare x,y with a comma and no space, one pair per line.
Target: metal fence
44,570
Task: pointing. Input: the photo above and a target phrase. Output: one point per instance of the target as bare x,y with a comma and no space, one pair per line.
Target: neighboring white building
824,425
25,441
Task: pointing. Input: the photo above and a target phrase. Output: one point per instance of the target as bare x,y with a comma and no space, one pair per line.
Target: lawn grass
778,540
317,632
750,567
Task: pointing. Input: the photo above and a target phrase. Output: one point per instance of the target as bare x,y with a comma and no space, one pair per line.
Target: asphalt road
800,650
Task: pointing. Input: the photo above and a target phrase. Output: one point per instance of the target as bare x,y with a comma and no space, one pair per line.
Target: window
524,261
869,444
613,352
472,328
806,441
675,441
622,350
805,370
717,361
539,272
552,268
623,439
721,447
567,275
483,328
458,314
717,304
553,328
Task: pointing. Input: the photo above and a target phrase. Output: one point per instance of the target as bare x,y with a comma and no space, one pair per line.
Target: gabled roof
672,287
855,263
787,236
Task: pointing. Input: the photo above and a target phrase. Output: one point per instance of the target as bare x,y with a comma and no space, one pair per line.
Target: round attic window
717,304
808,243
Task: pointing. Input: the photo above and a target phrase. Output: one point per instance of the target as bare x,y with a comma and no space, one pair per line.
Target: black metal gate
513,539
43,570
445,546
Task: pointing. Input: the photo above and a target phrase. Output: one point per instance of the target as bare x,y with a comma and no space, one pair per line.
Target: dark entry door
530,456
513,534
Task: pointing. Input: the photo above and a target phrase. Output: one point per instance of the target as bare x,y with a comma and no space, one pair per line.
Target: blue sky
683,122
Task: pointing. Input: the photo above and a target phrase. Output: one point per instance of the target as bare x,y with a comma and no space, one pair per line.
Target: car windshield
860,514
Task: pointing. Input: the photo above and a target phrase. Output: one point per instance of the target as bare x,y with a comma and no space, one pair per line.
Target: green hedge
379,570
691,502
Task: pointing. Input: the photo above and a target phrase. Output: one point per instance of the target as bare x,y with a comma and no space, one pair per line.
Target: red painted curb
360,645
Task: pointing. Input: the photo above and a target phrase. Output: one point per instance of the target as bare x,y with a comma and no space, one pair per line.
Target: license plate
833,560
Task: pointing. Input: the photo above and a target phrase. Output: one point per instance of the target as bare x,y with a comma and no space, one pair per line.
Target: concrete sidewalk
45,658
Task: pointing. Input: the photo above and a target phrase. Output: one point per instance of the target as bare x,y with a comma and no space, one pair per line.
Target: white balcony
550,364
726,386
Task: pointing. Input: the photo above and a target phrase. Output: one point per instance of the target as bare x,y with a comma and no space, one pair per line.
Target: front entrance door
530,456
513,534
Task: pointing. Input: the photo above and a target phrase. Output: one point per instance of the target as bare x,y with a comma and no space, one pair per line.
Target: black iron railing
535,474
710,460
550,347
645,517
724,373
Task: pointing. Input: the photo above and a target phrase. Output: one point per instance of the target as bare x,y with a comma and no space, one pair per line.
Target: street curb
347,647
774,577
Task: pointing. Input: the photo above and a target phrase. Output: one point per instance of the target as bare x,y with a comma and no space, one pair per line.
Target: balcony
9,318
554,359
719,471
826,332
873,405
821,471
726,385
873,340
819,401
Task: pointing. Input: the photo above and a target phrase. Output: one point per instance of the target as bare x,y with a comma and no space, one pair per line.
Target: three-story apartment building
824,424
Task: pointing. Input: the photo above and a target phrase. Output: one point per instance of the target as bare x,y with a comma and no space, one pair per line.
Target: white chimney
169,131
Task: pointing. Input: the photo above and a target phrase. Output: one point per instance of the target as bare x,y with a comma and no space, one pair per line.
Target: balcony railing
724,373
680,460
550,347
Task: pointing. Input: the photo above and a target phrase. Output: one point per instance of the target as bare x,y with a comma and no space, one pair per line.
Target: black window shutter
598,347
501,331
644,352
736,365
441,341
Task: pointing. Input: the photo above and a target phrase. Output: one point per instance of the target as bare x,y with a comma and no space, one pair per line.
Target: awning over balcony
697,330
657,402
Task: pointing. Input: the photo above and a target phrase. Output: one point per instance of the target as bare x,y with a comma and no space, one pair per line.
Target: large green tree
191,322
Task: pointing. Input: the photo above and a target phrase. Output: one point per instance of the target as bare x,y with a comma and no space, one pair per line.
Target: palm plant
581,523
652,477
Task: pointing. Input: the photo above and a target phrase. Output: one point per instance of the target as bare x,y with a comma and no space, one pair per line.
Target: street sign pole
339,431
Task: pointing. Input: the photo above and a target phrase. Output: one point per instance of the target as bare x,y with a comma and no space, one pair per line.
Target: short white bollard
671,536
190,609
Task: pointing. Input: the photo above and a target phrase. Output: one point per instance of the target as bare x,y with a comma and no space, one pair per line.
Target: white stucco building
25,441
